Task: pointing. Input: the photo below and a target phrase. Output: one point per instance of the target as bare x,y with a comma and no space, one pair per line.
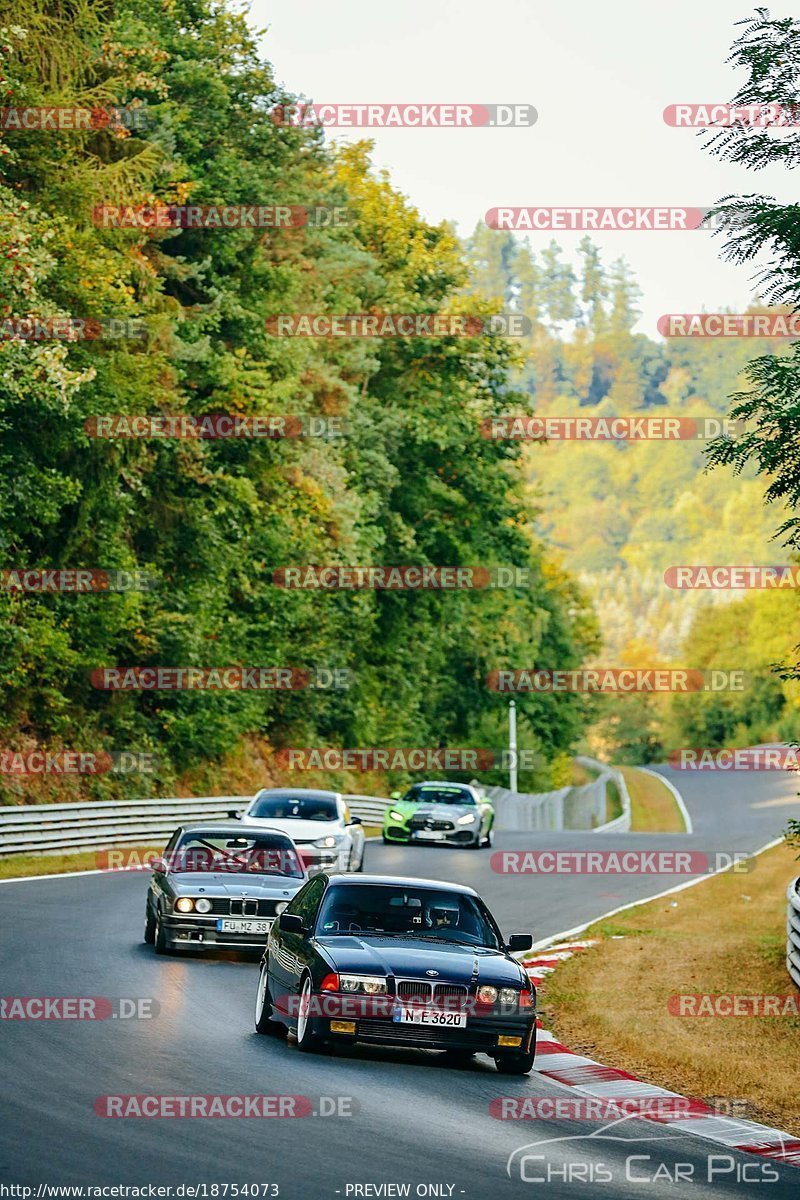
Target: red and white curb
590,1078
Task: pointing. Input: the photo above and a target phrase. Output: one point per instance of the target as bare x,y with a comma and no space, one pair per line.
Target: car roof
400,881
238,829
316,793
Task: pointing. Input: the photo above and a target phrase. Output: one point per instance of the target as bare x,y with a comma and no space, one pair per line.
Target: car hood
298,830
412,959
225,883
450,812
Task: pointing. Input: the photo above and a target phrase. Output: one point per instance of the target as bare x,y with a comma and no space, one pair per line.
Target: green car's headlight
467,819
394,815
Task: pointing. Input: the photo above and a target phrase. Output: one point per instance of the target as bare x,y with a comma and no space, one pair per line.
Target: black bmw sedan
402,962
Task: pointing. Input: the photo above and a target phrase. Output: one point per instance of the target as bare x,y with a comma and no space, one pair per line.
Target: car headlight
369,985
280,906
467,819
185,904
394,815
327,843
509,996
202,905
487,994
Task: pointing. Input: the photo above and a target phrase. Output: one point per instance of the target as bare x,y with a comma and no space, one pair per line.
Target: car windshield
419,794
237,855
392,910
302,808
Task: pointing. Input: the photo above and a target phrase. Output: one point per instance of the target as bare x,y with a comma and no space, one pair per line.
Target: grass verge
727,935
653,807
580,775
17,866
613,801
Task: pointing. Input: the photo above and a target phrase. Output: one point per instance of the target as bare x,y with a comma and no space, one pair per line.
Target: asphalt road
414,1120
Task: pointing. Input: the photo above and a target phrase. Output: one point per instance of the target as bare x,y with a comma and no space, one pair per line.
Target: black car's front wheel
307,1040
149,926
459,1058
516,1064
265,1022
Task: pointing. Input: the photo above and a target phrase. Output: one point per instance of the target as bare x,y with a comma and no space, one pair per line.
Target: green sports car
452,814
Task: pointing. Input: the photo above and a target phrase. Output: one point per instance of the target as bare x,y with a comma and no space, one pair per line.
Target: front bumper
464,835
478,1036
198,933
347,1019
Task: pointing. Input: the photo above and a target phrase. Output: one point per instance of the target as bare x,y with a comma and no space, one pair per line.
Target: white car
328,837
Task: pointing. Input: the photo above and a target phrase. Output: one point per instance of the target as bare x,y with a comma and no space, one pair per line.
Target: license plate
237,925
409,1014
430,835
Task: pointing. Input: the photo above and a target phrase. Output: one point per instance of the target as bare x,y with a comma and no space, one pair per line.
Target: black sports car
220,885
406,962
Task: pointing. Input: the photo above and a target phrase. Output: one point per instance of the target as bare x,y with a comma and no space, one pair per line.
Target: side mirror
395,796
520,941
291,923
159,864
236,813
355,820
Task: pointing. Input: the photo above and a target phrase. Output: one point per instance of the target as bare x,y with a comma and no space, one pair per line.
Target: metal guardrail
621,823
793,931
521,812
581,807
61,828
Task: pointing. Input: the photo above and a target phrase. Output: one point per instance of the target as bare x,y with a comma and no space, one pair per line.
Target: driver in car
442,915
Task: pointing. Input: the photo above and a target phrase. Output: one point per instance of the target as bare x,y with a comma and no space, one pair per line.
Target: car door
290,953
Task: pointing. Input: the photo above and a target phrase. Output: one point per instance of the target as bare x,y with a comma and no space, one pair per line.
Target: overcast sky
600,76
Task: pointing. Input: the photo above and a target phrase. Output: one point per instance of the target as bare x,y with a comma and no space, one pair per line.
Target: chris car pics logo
607,1156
